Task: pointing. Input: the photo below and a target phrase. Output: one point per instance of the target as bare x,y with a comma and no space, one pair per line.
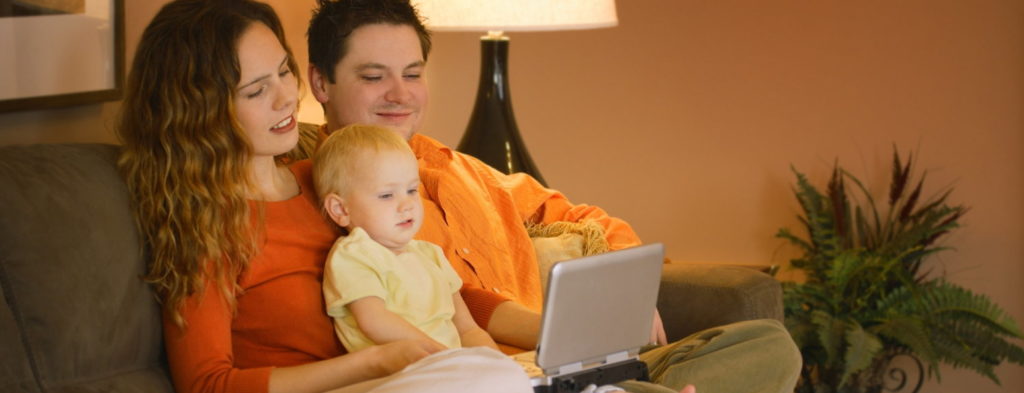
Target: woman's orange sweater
280,320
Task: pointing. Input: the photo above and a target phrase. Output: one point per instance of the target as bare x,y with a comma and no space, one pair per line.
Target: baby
380,285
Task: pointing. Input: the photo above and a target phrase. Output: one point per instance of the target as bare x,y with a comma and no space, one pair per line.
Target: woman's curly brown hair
185,157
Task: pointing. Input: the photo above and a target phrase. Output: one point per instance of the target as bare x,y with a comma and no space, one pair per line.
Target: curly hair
184,155
334,21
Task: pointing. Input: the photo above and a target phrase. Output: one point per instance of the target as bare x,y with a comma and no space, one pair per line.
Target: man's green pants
749,357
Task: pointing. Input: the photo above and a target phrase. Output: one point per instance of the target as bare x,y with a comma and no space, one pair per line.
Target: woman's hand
371,363
395,356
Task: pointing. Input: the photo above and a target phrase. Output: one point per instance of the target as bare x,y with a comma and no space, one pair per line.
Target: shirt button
465,251
496,290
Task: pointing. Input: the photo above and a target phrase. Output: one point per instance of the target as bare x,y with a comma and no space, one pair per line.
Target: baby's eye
385,196
413,191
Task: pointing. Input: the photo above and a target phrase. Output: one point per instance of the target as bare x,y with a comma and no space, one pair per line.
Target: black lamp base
492,135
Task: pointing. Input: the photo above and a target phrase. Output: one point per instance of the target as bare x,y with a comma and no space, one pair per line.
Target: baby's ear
335,207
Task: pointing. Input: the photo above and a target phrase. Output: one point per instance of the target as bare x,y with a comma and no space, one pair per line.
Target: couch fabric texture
76,316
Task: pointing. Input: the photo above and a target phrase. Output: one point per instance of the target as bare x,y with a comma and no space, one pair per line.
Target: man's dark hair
334,21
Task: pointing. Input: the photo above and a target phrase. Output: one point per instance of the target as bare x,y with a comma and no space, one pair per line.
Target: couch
75,316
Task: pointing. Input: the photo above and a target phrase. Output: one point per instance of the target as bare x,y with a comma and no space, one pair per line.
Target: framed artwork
56,53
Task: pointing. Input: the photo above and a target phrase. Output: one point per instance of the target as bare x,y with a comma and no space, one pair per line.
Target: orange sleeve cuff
255,380
481,304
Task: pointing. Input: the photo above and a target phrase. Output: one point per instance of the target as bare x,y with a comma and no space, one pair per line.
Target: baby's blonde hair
337,159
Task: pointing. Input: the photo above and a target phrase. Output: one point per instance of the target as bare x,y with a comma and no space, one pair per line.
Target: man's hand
395,356
513,324
658,330
470,333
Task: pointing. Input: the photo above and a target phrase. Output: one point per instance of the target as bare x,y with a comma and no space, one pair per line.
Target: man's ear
336,209
318,84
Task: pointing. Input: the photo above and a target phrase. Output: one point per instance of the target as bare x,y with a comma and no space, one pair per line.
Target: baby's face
384,198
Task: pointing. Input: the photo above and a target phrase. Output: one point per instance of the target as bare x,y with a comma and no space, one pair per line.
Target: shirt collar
432,152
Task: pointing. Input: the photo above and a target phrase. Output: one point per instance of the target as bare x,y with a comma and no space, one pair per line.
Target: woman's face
267,94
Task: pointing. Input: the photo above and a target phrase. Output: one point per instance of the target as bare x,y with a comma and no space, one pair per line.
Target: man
367,59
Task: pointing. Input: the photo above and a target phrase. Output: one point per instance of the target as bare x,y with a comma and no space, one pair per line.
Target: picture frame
59,53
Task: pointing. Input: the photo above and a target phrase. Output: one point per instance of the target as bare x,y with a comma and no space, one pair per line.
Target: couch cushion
70,267
694,297
15,371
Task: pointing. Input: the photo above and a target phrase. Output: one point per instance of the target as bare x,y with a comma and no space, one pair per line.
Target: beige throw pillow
563,240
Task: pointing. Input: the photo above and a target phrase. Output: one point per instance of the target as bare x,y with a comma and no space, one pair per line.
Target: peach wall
699,109
685,119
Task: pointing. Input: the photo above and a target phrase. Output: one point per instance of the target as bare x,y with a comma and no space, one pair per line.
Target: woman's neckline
290,188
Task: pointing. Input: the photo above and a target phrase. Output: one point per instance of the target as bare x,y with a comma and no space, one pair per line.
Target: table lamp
492,134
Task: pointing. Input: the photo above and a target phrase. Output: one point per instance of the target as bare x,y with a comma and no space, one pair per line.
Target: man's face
379,81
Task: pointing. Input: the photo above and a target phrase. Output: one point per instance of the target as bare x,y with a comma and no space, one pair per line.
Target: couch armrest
694,297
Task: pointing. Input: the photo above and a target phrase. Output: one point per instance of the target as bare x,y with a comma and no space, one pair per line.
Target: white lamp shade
516,15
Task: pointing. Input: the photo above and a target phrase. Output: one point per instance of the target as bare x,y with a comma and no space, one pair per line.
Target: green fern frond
943,297
983,343
801,298
953,351
785,233
800,325
817,213
862,348
865,296
900,301
912,333
843,270
963,329
831,333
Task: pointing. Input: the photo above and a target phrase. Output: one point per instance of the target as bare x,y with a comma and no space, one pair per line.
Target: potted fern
869,296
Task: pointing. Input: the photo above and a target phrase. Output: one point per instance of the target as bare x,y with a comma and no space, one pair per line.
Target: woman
236,243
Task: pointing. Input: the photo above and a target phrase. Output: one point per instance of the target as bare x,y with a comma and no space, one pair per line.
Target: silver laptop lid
599,305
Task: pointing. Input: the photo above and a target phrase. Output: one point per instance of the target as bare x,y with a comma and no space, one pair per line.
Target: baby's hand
395,356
